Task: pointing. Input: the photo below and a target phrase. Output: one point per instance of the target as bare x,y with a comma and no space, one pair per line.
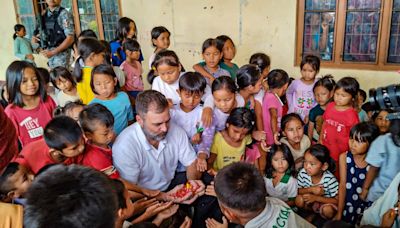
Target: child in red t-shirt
62,142
30,108
97,123
339,117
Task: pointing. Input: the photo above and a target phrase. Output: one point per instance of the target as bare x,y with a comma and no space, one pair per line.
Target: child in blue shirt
104,84
23,48
384,160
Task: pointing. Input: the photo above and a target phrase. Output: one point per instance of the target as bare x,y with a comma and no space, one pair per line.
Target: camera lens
385,97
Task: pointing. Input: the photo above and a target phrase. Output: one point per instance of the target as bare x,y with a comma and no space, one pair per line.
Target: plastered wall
7,21
254,25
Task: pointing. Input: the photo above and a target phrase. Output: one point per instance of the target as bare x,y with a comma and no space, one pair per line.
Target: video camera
386,98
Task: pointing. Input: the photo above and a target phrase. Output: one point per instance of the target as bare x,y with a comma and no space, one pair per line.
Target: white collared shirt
139,162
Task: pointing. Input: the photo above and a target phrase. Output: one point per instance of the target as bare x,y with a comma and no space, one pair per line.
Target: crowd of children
319,152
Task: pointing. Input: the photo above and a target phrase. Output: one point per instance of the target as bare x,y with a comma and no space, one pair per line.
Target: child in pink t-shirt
132,68
300,96
339,117
30,108
278,81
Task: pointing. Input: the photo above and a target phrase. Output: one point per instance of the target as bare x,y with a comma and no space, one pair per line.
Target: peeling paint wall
254,25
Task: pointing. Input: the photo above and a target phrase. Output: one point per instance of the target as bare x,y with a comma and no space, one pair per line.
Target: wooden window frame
380,64
75,15
18,15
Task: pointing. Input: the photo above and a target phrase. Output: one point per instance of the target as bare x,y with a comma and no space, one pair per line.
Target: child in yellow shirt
229,144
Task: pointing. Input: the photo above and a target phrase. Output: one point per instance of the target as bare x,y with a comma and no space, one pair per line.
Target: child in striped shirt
318,187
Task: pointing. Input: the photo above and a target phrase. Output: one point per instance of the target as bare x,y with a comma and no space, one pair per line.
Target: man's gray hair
150,99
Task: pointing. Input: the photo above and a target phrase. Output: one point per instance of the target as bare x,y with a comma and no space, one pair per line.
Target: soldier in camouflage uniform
57,26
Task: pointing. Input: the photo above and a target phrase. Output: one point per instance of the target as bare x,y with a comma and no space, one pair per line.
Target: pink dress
133,80
252,154
271,100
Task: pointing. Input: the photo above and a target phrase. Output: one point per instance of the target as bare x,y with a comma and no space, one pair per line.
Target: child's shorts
317,207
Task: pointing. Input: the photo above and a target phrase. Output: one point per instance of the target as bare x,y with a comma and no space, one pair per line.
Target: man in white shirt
147,152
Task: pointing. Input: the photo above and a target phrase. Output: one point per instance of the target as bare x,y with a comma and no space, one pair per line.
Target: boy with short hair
125,205
62,141
14,182
241,194
97,123
70,196
187,114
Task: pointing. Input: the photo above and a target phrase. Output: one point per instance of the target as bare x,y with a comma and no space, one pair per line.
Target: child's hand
389,217
141,204
196,139
212,172
276,138
212,223
210,191
318,190
29,56
187,223
150,193
258,135
364,194
338,217
170,103
166,213
309,198
201,164
199,186
211,79
206,116
156,208
264,146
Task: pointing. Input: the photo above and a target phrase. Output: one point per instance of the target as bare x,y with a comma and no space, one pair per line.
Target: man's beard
154,137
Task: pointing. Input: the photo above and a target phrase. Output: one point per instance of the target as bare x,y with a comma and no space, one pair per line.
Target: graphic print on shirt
32,126
229,159
304,103
336,124
283,217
